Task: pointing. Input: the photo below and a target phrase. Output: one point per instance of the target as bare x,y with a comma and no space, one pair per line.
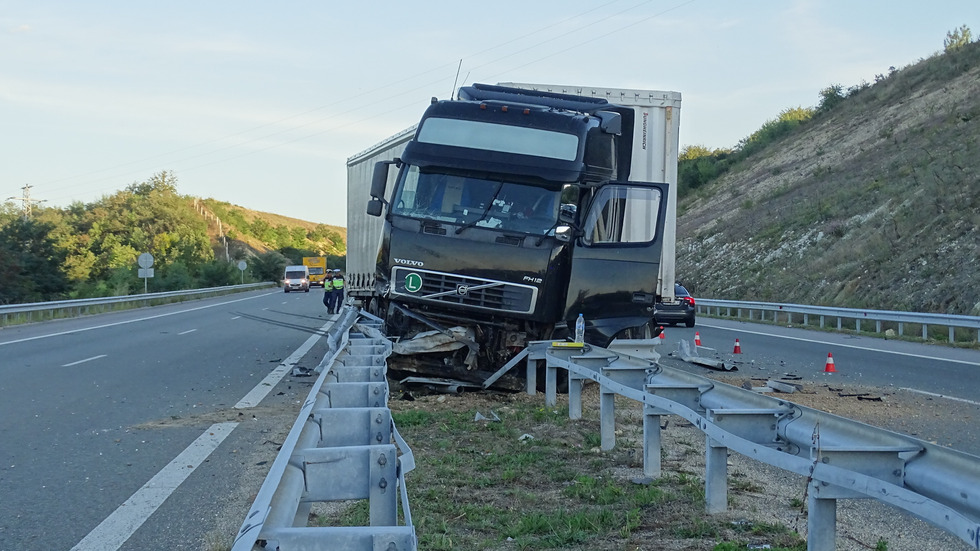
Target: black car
682,311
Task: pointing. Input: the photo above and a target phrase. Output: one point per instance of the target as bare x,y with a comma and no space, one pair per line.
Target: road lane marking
262,389
129,321
186,332
118,527
85,360
856,347
236,317
941,396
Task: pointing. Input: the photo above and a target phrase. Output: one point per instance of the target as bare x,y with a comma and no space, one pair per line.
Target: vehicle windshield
468,201
295,275
316,271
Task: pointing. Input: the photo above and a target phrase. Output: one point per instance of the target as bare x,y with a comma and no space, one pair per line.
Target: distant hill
258,232
873,204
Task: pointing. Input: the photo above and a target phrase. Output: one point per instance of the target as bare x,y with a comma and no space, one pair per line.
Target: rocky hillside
874,204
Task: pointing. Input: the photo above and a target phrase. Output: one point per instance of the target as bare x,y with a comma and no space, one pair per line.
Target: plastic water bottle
580,329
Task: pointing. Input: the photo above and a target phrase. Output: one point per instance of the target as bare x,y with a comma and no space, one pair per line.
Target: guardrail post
952,337
821,520
551,385
715,477
532,377
575,385
925,332
901,328
607,419
652,462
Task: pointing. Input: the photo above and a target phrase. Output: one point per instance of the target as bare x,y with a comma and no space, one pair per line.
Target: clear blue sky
261,103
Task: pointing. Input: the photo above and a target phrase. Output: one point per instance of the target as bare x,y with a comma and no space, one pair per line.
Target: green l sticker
413,282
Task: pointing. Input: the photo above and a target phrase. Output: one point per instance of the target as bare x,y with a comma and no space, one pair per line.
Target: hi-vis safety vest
338,282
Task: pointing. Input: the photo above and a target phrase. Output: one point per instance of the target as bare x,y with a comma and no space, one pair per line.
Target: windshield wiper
486,211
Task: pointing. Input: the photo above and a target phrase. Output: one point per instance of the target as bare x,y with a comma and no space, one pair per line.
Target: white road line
129,321
262,389
85,360
186,332
113,532
856,347
941,396
236,317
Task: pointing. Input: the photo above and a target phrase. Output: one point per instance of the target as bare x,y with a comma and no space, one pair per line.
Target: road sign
145,261
145,272
242,265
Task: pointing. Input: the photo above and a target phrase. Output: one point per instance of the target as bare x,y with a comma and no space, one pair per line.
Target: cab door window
622,214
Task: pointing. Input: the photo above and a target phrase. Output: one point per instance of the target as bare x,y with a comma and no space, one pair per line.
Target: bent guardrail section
950,321
842,458
343,446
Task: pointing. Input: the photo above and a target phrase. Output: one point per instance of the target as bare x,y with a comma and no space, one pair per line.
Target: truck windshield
464,200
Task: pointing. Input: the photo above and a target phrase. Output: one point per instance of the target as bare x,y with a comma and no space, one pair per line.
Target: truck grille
470,292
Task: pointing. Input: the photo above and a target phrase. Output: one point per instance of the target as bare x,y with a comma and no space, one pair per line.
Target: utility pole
26,201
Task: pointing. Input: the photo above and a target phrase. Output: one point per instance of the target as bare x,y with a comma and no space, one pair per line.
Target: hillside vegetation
90,250
873,202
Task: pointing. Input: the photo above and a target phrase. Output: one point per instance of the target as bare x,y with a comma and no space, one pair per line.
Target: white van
296,278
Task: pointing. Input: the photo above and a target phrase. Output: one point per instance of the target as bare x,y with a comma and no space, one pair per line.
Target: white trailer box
364,231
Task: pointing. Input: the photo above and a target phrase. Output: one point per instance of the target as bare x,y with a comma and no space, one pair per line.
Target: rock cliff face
874,204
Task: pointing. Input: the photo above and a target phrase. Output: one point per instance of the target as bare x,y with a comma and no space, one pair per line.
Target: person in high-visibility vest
337,300
328,291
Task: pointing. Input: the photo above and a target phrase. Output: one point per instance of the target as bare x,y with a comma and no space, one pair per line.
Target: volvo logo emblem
462,289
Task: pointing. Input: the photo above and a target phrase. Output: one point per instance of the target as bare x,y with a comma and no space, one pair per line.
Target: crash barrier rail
343,446
841,458
950,321
39,311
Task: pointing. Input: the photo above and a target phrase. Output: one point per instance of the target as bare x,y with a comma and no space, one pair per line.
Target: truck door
616,261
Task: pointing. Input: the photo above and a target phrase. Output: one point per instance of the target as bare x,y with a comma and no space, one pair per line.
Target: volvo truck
507,212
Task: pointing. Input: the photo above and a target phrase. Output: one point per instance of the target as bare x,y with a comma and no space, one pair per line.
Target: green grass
478,485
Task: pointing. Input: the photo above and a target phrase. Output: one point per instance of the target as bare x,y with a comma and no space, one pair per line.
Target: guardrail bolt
383,484
382,460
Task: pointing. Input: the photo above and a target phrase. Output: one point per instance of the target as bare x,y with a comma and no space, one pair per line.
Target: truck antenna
452,93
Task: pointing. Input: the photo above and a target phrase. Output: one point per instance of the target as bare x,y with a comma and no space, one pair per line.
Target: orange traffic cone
829,368
738,348
697,338
663,334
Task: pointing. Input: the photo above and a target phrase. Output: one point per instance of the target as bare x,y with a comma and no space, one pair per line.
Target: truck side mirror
374,207
563,233
380,180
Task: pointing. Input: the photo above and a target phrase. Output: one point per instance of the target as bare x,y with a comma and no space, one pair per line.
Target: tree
30,263
830,97
268,266
957,38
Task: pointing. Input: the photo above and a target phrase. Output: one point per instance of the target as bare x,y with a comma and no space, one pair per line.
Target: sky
260,104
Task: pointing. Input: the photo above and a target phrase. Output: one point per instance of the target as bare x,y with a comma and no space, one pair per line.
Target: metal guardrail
343,446
841,458
73,308
877,316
